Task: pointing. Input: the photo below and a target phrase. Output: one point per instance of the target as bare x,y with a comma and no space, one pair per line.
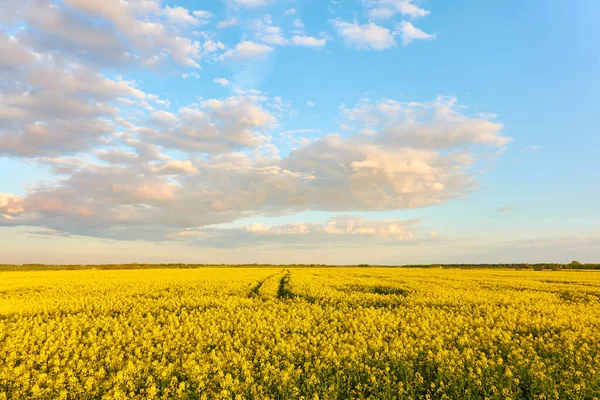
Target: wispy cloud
246,50
410,33
227,23
222,81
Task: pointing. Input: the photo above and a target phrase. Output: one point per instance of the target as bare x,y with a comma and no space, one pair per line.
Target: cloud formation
401,155
375,35
214,126
266,32
339,230
124,163
51,105
125,32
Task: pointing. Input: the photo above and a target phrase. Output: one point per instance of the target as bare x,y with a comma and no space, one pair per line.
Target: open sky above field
307,131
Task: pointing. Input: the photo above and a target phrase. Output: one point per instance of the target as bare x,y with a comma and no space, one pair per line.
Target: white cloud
265,31
246,50
369,36
107,144
310,103
411,33
439,124
308,41
414,155
221,81
291,11
227,23
211,46
182,16
386,9
202,14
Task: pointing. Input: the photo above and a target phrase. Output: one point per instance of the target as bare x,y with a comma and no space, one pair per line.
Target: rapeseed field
305,333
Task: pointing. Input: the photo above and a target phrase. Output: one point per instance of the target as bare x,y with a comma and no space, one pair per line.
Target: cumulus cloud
369,36
182,16
398,155
246,50
374,35
214,126
54,138
54,106
111,147
126,32
435,125
308,41
211,46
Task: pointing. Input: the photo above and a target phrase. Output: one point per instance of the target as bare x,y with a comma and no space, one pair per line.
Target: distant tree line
574,265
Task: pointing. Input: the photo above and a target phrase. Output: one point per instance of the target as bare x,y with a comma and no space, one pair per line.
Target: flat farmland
299,333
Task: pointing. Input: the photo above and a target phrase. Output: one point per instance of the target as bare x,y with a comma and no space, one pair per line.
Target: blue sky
375,131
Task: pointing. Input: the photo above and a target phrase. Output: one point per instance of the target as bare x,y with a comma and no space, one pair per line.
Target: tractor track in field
273,287
256,288
255,291
284,292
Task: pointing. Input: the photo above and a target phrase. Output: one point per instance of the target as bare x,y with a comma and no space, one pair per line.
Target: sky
299,131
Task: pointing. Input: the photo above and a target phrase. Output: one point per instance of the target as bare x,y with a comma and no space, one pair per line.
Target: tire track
283,292
268,288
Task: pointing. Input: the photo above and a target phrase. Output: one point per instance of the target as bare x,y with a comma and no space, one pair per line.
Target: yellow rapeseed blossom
313,333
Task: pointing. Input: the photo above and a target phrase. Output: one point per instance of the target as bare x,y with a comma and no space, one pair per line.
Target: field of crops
266,333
